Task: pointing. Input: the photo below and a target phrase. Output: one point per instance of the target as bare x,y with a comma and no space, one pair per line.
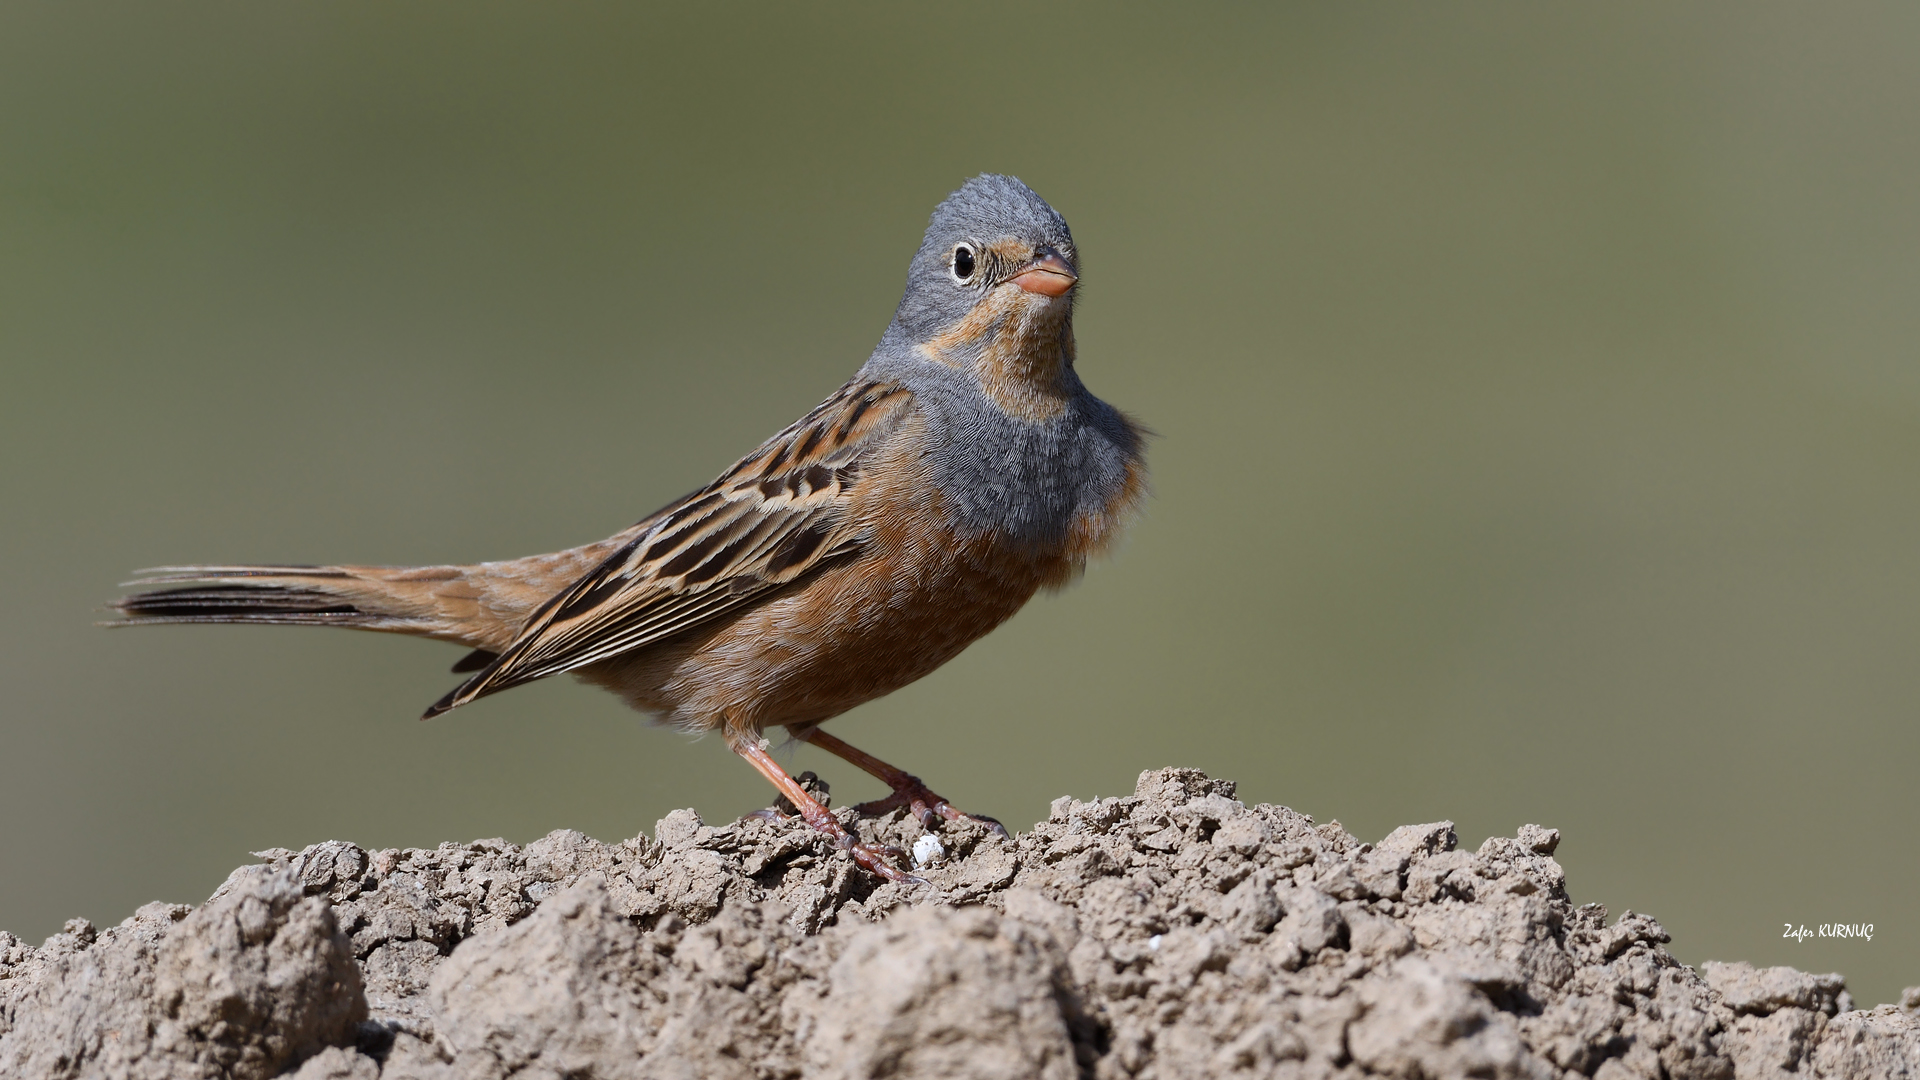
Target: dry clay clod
1170,933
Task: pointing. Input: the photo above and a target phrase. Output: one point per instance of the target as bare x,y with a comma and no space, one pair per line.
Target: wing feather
779,513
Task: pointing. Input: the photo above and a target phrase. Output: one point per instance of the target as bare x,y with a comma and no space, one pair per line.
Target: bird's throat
1027,377
1021,349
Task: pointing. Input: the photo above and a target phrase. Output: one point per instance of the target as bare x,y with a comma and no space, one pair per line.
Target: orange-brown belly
852,634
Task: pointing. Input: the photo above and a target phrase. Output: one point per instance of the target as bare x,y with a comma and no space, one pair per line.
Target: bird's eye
963,263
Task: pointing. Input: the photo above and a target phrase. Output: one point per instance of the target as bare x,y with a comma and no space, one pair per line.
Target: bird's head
992,287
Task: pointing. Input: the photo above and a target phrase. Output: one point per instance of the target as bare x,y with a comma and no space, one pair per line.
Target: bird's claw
928,809
876,859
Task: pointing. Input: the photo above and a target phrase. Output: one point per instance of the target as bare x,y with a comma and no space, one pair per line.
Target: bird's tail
481,606
423,600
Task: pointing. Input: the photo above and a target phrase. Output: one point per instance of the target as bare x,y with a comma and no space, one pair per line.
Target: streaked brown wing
778,513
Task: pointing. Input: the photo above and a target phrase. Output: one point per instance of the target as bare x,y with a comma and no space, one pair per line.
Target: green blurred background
1536,385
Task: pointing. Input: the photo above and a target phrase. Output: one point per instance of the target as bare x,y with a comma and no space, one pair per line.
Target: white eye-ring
962,265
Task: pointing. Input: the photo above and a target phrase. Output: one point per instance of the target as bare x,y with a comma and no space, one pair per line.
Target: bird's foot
881,860
878,859
908,792
807,796
914,797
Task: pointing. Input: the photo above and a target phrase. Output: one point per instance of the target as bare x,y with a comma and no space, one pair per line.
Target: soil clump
1171,933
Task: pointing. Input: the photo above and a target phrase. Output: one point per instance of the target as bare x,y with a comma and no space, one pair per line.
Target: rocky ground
1170,933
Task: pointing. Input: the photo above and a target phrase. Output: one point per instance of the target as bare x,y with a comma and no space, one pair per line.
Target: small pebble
927,849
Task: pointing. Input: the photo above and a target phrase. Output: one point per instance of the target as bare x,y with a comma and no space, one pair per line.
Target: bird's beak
1048,274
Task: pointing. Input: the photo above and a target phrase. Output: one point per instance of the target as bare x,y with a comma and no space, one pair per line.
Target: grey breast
1023,480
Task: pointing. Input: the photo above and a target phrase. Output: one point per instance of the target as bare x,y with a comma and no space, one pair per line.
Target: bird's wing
778,513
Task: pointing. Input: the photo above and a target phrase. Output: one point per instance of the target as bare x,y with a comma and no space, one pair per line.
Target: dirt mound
1171,933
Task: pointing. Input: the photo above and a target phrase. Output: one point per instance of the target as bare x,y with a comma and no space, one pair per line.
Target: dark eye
963,264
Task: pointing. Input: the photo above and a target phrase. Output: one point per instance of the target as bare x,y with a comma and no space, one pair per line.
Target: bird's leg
871,856
908,790
781,809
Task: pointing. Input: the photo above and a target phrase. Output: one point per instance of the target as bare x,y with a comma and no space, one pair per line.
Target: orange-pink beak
1048,275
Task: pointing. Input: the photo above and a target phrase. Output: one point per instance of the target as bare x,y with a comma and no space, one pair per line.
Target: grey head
1018,447
991,232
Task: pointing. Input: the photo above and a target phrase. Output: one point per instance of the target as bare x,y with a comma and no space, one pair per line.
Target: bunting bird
963,469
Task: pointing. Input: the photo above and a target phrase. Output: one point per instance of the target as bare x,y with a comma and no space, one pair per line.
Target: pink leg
908,791
871,856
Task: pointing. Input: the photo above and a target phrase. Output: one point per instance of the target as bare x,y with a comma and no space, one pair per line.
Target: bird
963,469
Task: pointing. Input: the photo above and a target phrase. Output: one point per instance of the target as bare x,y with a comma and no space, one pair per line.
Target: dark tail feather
240,604
451,603
259,595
